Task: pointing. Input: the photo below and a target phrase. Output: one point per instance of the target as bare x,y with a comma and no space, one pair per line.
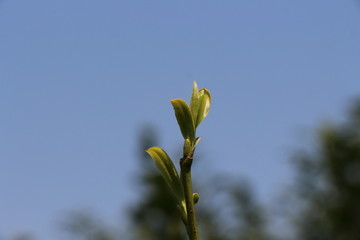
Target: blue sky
79,78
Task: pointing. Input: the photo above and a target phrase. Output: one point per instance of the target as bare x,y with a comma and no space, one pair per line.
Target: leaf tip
195,86
175,101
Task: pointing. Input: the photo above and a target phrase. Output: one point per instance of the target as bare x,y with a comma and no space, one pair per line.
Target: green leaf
184,118
204,105
194,106
197,140
168,171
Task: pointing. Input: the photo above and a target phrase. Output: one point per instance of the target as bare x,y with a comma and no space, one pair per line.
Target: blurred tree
329,184
234,215
249,215
83,225
229,210
23,236
328,190
155,216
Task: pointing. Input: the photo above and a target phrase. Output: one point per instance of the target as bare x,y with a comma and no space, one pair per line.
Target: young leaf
194,101
168,171
184,118
197,140
204,105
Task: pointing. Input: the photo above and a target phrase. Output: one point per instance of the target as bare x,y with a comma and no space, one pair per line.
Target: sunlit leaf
197,140
204,105
184,118
194,101
168,171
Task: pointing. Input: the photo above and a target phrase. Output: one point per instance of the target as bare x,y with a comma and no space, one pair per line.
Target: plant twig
185,165
188,118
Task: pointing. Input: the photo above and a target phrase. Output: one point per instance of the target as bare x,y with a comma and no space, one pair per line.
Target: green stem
185,164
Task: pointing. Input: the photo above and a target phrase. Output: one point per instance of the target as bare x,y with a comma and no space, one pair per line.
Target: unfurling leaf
197,140
168,171
184,119
204,103
194,101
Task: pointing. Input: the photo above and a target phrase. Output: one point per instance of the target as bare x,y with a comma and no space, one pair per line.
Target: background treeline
323,204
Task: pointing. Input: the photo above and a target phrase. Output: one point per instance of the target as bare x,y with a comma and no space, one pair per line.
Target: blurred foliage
234,214
23,236
154,216
158,203
83,225
327,195
328,184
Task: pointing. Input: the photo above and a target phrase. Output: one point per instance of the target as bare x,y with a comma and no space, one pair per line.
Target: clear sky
78,78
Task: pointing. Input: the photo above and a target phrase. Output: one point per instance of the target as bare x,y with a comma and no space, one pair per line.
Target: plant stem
185,164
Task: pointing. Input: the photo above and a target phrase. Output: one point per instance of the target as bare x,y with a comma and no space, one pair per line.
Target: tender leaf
184,118
204,105
168,171
197,140
194,101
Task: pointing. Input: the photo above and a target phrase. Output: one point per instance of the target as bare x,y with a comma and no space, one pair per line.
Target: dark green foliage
248,214
329,184
235,215
327,198
83,225
154,216
245,222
